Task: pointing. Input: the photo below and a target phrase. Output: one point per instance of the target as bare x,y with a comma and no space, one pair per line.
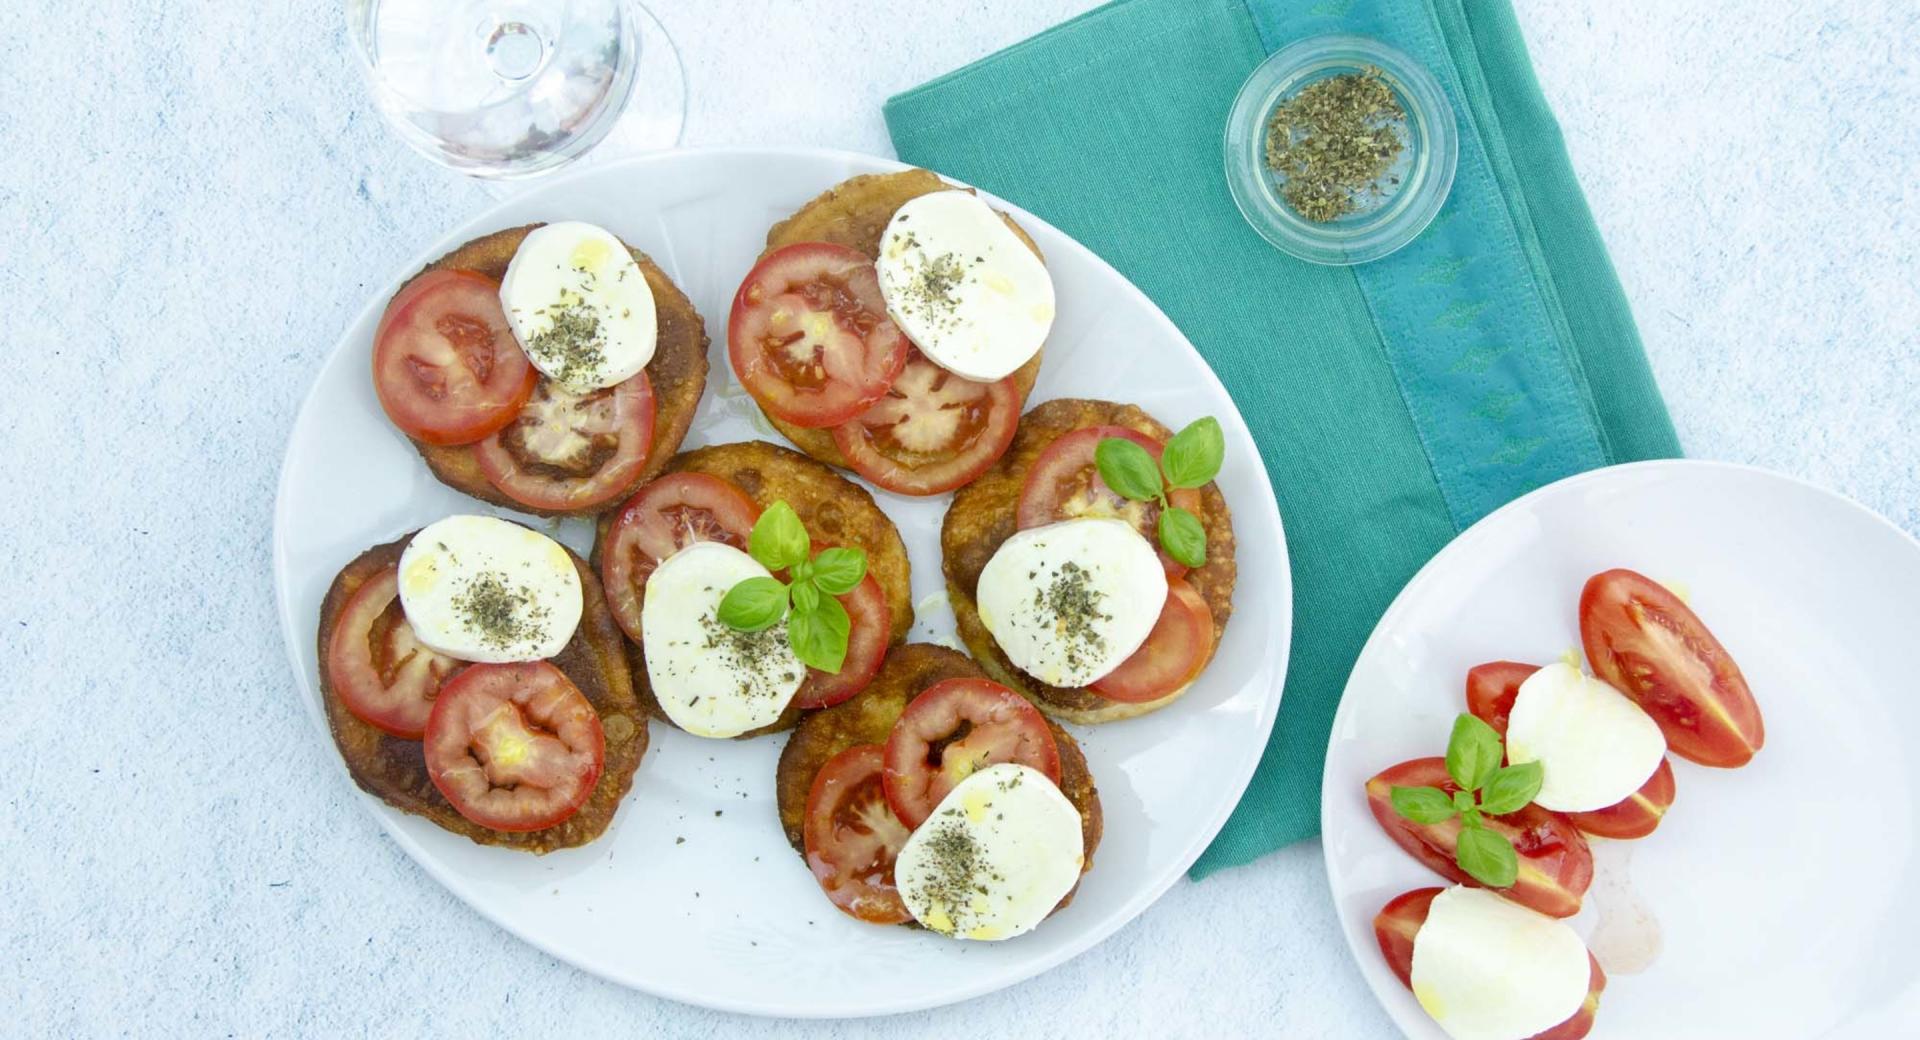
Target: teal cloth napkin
1394,403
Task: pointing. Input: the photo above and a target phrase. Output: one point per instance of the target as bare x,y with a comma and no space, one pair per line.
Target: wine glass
505,89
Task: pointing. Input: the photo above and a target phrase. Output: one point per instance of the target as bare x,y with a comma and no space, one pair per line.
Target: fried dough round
982,516
854,213
868,718
395,770
678,372
835,510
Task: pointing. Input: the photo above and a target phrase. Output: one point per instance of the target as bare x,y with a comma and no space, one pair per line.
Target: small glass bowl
1425,167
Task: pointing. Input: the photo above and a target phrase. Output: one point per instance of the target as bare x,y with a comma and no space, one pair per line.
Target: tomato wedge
1641,638
933,431
1491,689
852,837
567,451
1399,921
446,367
1065,483
514,747
377,668
872,626
955,728
1556,866
667,515
809,335
1175,651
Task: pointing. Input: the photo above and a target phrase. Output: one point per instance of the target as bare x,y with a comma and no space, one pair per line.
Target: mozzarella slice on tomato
484,589
713,681
963,287
1068,602
1595,746
1488,969
997,855
580,306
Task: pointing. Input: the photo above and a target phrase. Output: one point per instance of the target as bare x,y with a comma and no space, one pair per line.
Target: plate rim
1279,622
1358,953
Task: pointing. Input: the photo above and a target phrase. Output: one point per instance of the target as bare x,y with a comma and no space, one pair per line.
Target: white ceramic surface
694,893
1774,900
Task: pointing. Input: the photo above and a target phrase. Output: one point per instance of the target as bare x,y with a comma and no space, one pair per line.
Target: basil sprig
1189,460
1473,761
817,625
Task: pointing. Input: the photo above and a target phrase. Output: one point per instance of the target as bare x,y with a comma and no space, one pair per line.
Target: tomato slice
667,515
1491,690
1641,638
446,367
955,728
852,837
1175,651
809,335
932,432
872,626
1556,866
568,451
514,747
1065,483
1399,921
377,668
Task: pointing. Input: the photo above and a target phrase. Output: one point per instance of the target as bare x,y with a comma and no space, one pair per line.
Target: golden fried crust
868,718
982,517
395,770
678,371
854,213
835,510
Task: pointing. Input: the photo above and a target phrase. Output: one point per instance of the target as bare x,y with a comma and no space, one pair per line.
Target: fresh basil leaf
1462,801
1127,468
806,597
1194,454
1422,804
819,636
778,540
838,570
1182,536
754,604
1487,857
1473,752
801,572
1511,788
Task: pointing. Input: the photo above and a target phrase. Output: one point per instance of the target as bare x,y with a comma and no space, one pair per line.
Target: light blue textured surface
196,199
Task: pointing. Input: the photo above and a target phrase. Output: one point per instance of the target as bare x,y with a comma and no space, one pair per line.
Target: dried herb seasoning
1335,142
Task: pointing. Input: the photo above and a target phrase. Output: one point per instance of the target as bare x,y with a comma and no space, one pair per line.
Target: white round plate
694,894
1775,899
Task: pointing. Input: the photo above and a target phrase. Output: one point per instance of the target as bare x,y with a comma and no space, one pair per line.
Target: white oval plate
1775,899
694,894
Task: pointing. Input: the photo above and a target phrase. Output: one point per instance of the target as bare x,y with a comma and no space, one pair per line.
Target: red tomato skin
633,410
866,649
1491,691
534,687
1629,625
706,509
839,396
993,716
873,898
856,438
1399,921
1176,650
1556,866
354,674
502,397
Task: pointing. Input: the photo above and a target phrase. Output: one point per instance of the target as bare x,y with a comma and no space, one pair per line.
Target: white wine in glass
512,88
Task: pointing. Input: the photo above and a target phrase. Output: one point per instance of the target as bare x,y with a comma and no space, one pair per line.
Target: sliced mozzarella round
997,855
1487,969
963,287
580,306
712,680
1069,601
1595,747
484,589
